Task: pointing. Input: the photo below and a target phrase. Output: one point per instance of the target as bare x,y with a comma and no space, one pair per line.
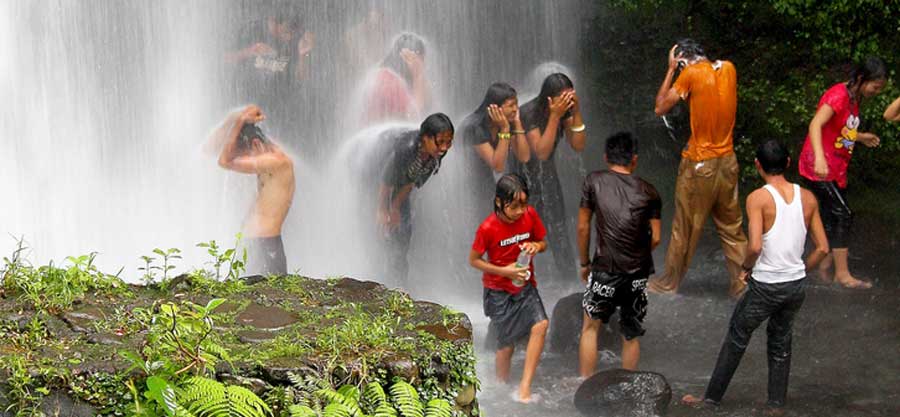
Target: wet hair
621,148
870,69
507,188
395,62
689,49
497,94
247,134
552,86
432,126
773,157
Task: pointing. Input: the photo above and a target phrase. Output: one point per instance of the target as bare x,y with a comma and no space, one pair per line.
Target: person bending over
780,214
626,211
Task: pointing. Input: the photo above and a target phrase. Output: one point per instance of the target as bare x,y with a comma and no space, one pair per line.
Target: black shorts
265,256
512,316
607,291
836,214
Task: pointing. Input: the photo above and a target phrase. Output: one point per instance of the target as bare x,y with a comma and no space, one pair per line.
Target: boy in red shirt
511,298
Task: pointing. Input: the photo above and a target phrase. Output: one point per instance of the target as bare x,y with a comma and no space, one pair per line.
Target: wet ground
846,349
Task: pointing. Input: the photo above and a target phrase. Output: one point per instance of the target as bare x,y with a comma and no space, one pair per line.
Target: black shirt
623,206
405,165
265,75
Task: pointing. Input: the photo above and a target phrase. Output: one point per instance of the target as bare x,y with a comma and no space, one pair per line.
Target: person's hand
261,48
820,167
530,248
511,271
388,220
560,104
306,44
576,103
674,60
869,139
414,62
584,272
252,114
516,119
497,118
744,275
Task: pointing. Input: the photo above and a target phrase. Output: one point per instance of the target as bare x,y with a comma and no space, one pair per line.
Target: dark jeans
396,262
836,214
779,304
547,198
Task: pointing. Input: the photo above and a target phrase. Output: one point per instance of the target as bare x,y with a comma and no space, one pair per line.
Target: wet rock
255,336
82,320
618,392
404,368
355,291
565,327
253,279
105,339
266,318
258,386
16,319
277,371
59,404
466,396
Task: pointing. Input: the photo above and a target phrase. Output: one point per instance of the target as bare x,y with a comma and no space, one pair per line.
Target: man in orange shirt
708,173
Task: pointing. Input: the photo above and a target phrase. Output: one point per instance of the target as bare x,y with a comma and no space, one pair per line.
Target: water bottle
523,261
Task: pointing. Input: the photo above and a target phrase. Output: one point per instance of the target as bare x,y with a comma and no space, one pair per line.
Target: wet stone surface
265,318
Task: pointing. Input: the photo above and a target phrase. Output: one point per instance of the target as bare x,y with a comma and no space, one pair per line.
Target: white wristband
578,129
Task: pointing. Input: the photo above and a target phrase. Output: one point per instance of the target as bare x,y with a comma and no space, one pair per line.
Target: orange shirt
711,91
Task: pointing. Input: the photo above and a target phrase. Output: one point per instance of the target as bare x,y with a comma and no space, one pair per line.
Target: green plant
148,277
167,256
348,401
236,263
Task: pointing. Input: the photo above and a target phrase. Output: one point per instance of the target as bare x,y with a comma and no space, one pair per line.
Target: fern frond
406,399
210,398
330,396
439,407
349,391
337,410
246,402
301,411
373,397
385,410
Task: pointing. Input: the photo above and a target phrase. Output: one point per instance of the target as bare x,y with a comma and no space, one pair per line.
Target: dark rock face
618,392
265,318
565,327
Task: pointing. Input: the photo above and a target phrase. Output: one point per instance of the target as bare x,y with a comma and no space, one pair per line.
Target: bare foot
852,283
524,396
774,411
695,401
825,275
654,287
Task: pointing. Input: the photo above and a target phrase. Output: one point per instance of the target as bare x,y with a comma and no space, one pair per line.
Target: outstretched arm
667,97
229,159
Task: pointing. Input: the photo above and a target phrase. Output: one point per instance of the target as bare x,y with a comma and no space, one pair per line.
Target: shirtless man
247,150
780,214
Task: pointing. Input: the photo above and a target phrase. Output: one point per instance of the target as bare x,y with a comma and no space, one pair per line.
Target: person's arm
584,240
509,271
822,116
258,48
542,142
221,134
519,140
304,47
576,139
817,232
420,91
667,97
495,157
755,202
892,113
229,158
655,235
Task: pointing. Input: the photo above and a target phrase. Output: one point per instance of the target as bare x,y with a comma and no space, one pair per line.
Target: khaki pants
704,188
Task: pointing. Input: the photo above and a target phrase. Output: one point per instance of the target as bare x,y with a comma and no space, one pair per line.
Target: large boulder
565,327
619,392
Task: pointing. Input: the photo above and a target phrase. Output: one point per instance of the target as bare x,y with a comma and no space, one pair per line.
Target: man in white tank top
780,216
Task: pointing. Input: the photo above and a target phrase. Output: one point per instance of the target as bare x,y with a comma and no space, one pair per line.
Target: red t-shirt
501,241
838,137
389,98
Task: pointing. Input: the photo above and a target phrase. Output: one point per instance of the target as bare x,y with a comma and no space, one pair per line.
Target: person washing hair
246,149
829,145
399,90
708,174
510,295
554,113
781,215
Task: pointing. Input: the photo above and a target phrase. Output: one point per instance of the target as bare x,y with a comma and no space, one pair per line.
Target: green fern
373,398
406,399
337,409
438,407
349,391
330,396
301,411
210,398
385,410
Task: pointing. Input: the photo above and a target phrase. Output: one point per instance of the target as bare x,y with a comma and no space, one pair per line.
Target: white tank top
781,259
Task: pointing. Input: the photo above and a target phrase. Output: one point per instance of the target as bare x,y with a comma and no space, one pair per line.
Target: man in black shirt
627,225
